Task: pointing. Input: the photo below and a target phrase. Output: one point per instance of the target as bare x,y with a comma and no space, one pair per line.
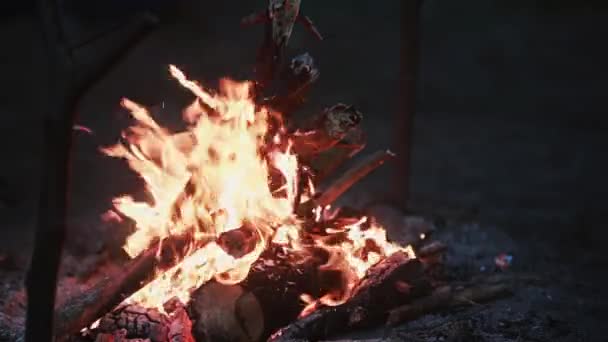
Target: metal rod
409,50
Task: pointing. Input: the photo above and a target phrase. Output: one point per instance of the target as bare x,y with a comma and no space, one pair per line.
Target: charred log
84,308
325,163
134,323
250,311
338,187
352,176
382,289
180,329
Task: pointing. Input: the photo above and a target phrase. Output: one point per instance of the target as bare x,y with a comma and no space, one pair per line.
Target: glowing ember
223,174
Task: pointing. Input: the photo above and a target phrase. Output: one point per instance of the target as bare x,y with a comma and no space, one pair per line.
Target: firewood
279,19
431,249
217,311
325,130
432,256
431,253
405,229
180,329
349,178
381,290
326,162
84,308
440,297
282,16
445,297
250,311
352,176
297,79
104,338
118,336
69,82
135,322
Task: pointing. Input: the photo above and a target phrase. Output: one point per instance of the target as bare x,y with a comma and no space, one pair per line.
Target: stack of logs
266,305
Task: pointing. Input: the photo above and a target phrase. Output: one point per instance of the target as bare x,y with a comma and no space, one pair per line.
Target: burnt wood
382,289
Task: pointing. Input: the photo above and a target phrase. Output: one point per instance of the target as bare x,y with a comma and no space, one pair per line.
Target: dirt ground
507,170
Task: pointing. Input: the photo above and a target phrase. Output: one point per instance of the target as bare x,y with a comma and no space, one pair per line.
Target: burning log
408,230
83,309
134,322
349,178
352,176
325,163
226,312
118,336
250,311
445,297
180,329
325,131
345,182
396,279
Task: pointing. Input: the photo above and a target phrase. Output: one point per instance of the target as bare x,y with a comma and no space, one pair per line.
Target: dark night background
509,131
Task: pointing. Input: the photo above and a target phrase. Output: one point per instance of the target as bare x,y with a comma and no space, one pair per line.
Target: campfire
232,199
232,187
238,237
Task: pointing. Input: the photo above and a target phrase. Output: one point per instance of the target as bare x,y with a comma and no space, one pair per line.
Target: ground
507,145
553,301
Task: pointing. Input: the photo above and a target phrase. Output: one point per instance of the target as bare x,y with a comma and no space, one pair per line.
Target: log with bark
134,323
338,187
324,130
251,310
84,308
80,310
279,19
327,162
353,175
396,279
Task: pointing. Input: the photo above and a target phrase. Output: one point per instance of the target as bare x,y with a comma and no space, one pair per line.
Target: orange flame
214,178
